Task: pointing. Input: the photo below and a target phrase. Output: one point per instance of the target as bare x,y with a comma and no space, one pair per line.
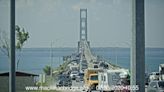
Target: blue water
33,60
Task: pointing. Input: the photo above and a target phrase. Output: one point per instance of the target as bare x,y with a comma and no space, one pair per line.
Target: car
154,76
95,66
80,77
156,86
103,65
63,80
84,66
74,74
146,79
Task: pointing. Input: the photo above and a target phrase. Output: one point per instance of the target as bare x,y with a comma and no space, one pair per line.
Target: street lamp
12,47
51,60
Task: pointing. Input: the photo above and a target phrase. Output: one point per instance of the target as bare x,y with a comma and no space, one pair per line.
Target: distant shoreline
91,47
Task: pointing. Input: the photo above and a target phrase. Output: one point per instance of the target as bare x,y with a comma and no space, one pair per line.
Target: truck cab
93,81
91,78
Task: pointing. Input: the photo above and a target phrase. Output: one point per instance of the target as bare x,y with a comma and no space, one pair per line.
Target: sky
58,22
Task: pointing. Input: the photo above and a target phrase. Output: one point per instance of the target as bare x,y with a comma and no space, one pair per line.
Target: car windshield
81,74
157,73
74,72
161,84
94,77
95,62
63,77
84,64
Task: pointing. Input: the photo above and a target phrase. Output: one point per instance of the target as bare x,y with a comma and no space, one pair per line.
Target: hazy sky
109,22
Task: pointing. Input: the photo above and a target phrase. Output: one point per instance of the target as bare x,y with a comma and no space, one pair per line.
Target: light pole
12,47
116,55
51,60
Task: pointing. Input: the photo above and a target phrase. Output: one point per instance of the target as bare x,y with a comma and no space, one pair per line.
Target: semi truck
109,80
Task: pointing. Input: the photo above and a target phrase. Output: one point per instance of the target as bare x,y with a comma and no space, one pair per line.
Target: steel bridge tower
83,28
83,24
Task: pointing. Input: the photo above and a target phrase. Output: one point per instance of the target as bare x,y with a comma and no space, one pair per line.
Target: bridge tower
83,24
83,28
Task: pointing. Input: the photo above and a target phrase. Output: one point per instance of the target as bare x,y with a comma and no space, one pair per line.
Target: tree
21,37
4,43
47,70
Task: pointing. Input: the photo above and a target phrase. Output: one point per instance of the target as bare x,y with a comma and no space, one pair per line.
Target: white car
154,76
74,74
156,86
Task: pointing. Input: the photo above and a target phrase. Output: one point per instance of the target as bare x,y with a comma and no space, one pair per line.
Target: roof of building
18,73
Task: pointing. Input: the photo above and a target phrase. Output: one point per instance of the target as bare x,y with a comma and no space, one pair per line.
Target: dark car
95,66
84,66
156,86
64,80
146,79
103,65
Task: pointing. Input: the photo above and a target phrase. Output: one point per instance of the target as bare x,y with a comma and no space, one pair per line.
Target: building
23,79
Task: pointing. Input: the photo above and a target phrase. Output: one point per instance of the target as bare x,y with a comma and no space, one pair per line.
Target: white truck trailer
111,78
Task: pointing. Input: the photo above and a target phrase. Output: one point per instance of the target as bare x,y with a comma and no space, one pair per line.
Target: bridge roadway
89,56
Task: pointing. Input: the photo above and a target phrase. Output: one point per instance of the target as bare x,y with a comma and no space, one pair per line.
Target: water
33,60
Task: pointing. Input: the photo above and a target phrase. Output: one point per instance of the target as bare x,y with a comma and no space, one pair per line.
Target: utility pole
12,48
51,61
138,45
116,55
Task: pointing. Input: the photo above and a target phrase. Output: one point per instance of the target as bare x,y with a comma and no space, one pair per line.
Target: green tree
47,70
21,37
